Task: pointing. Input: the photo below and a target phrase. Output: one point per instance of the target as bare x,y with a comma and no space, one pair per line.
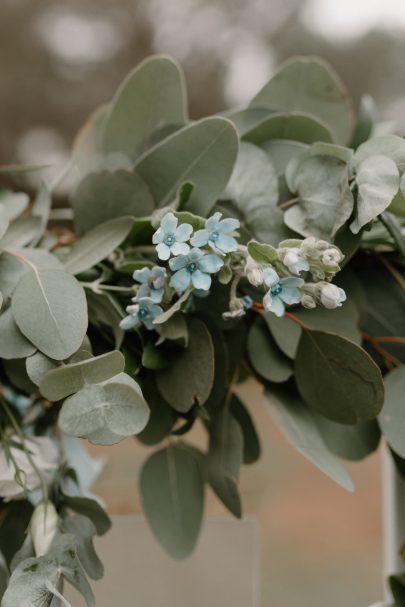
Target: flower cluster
194,257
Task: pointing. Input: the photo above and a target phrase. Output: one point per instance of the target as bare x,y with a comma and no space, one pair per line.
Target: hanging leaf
133,117
350,442
49,307
189,377
299,426
97,244
391,146
294,126
107,195
105,413
13,344
202,153
309,85
91,509
253,189
225,457
391,418
162,417
172,493
21,232
286,333
84,530
377,182
325,199
251,442
14,203
267,360
67,379
337,378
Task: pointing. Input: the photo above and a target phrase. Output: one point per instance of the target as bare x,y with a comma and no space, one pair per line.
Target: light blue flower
152,283
216,235
194,269
170,238
144,311
281,291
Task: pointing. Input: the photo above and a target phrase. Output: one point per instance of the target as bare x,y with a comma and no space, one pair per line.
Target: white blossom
332,296
44,524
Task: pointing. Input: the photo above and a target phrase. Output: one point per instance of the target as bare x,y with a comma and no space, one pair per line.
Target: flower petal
270,277
290,295
181,280
163,251
143,291
158,236
210,264
291,281
228,225
212,222
226,244
155,311
200,238
143,275
180,248
273,304
148,323
201,280
168,223
129,322
195,255
179,262
183,232
157,295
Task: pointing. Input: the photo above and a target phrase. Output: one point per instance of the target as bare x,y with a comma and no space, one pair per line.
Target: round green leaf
391,146
189,378
38,366
337,378
267,360
49,307
353,443
392,419
67,379
309,85
13,344
294,126
172,492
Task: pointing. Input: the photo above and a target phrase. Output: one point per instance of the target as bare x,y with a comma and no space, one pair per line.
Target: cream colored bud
254,272
331,257
332,296
308,301
44,524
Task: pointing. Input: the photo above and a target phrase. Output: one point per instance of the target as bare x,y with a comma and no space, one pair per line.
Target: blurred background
60,60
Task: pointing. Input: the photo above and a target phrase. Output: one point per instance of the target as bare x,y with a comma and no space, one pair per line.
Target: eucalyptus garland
267,242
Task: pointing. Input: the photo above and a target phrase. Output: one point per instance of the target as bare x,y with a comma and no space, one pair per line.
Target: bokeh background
60,59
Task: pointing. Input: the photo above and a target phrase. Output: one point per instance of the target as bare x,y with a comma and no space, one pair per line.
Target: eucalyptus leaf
377,182
59,323
309,85
41,208
253,189
293,126
84,530
391,418
91,509
267,360
172,493
97,244
4,221
87,146
13,344
337,378
225,457
69,378
189,377
38,365
107,195
202,153
286,333
391,146
247,118
14,203
262,253
132,117
299,426
100,412
162,416
366,118
21,232
251,442
325,199
353,443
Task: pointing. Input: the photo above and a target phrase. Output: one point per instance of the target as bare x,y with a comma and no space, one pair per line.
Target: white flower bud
308,301
332,296
331,257
44,523
294,262
254,272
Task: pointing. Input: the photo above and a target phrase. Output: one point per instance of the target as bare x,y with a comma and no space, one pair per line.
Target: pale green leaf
391,146
291,126
266,358
391,418
13,344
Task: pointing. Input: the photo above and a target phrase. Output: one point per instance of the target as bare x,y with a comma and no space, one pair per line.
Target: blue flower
143,312
170,238
215,234
281,291
194,269
152,283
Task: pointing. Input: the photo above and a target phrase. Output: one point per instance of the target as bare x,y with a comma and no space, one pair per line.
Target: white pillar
393,518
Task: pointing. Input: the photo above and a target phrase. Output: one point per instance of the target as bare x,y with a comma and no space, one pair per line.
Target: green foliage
391,419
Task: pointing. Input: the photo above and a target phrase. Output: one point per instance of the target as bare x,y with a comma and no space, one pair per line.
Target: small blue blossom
194,269
171,238
152,282
144,311
281,291
216,234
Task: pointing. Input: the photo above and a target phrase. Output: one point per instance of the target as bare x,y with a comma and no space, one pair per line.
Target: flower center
143,313
276,290
169,239
192,267
214,236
